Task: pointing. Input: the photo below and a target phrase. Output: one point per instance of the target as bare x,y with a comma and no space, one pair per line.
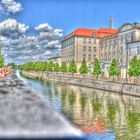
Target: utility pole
111,22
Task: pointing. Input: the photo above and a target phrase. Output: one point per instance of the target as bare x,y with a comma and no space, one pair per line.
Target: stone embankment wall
129,89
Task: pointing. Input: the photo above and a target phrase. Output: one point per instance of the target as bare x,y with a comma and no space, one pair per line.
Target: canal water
99,114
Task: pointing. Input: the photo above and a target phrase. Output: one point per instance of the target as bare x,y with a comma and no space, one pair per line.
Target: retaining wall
129,89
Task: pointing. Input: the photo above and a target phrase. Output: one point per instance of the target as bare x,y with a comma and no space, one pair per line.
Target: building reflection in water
96,112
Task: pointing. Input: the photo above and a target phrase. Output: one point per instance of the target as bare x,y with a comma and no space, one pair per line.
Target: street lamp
0,45
127,61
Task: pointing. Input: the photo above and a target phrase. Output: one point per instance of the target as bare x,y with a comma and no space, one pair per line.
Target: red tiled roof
108,30
84,32
90,32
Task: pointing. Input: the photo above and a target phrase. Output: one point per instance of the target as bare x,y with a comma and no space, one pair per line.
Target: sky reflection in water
99,114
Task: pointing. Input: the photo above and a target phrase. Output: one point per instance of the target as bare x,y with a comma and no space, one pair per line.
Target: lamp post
0,45
127,62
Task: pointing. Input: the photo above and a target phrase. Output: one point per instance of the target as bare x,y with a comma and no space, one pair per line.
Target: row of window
85,48
89,57
68,42
121,39
137,50
89,41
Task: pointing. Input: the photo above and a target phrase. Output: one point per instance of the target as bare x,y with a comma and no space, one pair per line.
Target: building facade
117,46
133,50
83,44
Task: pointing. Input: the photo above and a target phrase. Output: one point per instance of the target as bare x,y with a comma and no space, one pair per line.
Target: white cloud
12,28
23,48
10,6
53,44
44,27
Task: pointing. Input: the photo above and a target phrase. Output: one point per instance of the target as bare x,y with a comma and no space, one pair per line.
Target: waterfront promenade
25,115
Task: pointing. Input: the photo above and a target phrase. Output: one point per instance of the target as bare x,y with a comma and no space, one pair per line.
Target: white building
117,46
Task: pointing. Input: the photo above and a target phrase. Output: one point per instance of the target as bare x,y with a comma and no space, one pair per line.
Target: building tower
111,22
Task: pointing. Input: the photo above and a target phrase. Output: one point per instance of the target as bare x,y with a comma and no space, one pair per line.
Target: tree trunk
113,78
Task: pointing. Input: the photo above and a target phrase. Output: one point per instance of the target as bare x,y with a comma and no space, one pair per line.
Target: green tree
84,68
134,68
56,67
114,68
64,67
1,61
50,67
73,67
13,65
97,68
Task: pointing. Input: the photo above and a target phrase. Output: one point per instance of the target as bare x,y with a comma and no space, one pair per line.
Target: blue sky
32,29
71,14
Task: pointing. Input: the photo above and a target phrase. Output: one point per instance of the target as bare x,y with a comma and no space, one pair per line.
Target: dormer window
104,35
94,34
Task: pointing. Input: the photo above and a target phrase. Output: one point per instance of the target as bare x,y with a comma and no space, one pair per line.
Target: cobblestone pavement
23,113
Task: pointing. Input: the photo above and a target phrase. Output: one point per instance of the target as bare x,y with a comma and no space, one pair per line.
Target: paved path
24,114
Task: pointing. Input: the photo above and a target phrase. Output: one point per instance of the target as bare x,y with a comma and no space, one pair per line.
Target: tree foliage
134,67
34,66
97,68
56,67
64,67
84,68
13,65
73,67
1,61
50,66
114,68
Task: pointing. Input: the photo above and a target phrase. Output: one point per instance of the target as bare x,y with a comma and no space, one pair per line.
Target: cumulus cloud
20,48
10,6
12,29
53,44
44,27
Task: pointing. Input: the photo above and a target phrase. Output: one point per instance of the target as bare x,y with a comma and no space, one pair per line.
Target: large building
84,44
118,46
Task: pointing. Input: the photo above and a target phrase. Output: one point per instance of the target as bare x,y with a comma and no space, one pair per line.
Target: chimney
111,22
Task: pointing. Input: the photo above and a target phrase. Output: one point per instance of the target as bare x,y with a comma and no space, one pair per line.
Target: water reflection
102,115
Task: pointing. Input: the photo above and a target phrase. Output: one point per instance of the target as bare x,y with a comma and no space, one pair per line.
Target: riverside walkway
24,115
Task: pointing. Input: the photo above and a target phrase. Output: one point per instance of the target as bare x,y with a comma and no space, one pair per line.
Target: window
84,40
84,56
101,56
95,41
89,49
109,56
84,48
132,36
94,49
121,39
94,34
89,57
89,41
121,50
94,56
104,34
126,38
